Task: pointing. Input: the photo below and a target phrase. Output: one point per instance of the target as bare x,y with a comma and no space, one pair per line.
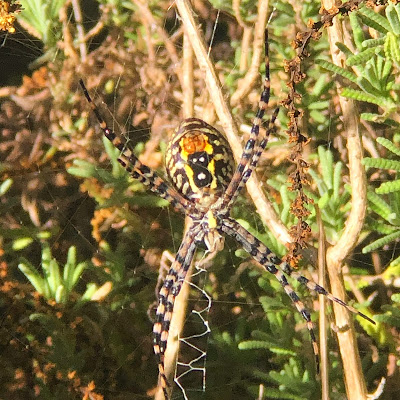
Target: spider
204,184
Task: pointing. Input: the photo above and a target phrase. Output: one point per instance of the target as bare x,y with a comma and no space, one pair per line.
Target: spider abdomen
199,161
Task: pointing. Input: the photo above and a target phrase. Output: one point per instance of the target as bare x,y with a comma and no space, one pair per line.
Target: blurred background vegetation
81,243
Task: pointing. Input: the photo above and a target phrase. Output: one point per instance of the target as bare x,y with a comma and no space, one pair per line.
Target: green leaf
21,243
60,294
5,186
391,47
344,49
380,207
389,145
373,42
395,298
395,262
33,276
361,96
382,163
393,18
374,20
367,87
53,276
77,274
263,344
387,69
69,268
326,162
83,169
393,271
90,290
358,34
337,70
370,72
324,200
378,119
382,228
361,58
389,187
40,18
272,393
337,174
381,242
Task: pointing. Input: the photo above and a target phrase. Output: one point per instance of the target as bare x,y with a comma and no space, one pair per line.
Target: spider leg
273,264
320,290
256,156
137,169
170,289
250,146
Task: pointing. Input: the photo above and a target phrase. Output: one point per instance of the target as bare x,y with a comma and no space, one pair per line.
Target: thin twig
79,27
247,83
261,392
323,338
99,25
262,204
95,30
169,45
176,327
68,41
187,71
246,37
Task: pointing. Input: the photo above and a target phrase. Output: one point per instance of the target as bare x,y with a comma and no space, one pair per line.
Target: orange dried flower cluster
301,232
8,11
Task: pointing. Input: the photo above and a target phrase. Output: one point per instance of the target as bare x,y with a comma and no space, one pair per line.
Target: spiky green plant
374,64
57,284
387,208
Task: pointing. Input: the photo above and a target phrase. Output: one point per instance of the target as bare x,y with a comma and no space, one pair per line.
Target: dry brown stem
145,12
247,83
336,255
176,327
181,301
247,35
68,41
79,27
323,338
262,204
188,87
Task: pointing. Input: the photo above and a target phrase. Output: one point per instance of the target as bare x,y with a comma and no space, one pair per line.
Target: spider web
192,365
190,344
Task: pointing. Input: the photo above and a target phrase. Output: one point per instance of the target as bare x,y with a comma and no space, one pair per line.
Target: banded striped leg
256,156
273,264
170,289
250,145
320,290
138,170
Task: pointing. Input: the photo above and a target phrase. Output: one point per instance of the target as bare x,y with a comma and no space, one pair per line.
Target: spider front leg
138,170
254,161
273,264
251,148
166,300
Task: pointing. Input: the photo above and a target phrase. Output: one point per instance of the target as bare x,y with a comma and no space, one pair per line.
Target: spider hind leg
321,290
166,300
274,265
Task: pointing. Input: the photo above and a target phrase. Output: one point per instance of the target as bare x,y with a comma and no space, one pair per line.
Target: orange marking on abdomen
194,143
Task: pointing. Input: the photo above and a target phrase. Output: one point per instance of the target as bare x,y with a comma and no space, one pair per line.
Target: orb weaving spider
205,183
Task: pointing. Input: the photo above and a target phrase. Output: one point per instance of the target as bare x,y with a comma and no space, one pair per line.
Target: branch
262,204
247,83
336,255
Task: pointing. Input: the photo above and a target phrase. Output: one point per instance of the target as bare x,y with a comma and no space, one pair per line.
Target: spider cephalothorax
199,163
